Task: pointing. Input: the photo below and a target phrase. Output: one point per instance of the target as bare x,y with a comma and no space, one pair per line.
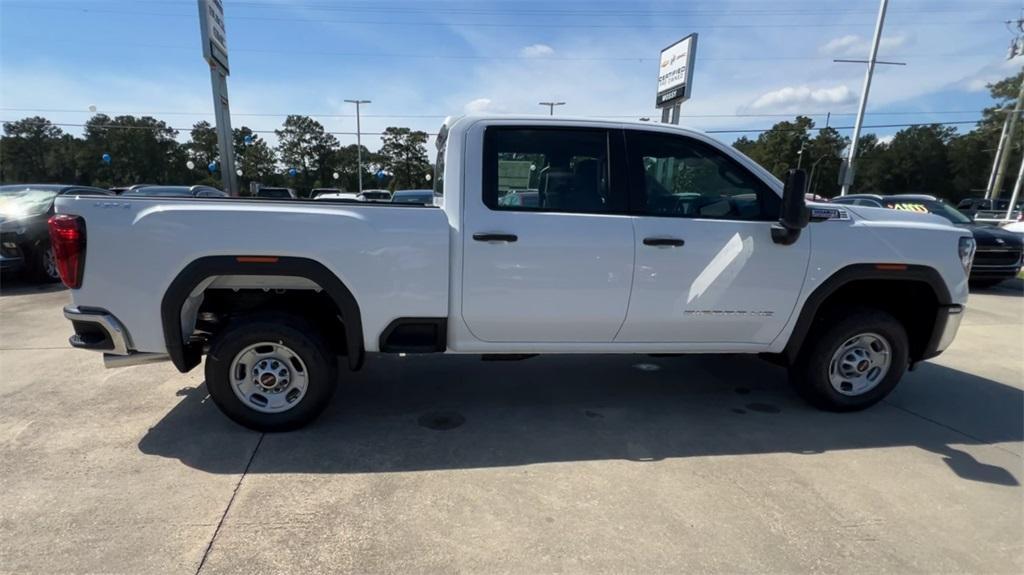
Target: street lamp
551,106
359,142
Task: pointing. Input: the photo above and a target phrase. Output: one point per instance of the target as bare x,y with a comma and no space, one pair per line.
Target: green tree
256,159
27,150
403,153
202,145
303,144
141,150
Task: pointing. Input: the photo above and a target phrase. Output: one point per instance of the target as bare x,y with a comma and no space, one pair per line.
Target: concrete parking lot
554,464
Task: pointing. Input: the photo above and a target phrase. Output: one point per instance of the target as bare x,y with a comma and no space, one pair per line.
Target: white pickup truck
623,238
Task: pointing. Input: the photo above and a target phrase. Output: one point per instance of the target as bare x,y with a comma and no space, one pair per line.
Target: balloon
292,172
381,175
428,177
239,172
190,165
106,158
212,167
247,139
336,175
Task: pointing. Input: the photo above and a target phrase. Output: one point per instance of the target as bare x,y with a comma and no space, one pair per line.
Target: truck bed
394,259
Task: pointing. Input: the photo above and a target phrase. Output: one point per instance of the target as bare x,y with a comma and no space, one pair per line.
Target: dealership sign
211,28
675,72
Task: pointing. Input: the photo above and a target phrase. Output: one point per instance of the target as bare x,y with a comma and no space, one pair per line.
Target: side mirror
794,214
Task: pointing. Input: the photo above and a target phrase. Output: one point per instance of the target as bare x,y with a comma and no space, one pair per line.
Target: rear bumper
947,322
97,330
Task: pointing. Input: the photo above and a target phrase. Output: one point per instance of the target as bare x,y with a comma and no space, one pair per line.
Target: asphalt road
554,464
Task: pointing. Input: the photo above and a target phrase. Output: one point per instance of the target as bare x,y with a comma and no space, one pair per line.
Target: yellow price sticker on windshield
909,207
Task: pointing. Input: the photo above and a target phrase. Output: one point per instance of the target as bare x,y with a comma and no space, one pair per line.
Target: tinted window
682,177
273,193
548,170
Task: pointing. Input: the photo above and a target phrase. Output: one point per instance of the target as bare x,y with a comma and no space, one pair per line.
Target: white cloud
887,139
478,106
803,97
536,51
854,45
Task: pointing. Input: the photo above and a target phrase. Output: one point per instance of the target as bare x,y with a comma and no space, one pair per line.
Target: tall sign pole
215,52
359,141
847,167
675,77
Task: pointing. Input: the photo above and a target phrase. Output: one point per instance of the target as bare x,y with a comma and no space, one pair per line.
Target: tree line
932,159
126,150
927,159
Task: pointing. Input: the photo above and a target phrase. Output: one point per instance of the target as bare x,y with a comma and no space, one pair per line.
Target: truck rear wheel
853,363
271,372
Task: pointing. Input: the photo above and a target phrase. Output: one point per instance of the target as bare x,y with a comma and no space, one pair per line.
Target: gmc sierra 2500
642,239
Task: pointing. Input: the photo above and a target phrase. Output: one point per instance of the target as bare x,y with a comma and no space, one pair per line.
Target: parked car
986,210
520,198
315,192
276,193
425,197
346,196
122,189
847,299
375,196
999,251
179,191
24,237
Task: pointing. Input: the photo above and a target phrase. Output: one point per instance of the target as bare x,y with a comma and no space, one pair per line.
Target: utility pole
848,166
1004,149
359,142
1016,191
551,106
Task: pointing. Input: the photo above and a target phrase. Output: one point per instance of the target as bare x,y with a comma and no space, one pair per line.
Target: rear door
707,270
556,268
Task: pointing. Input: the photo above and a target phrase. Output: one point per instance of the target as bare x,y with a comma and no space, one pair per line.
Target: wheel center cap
863,365
268,380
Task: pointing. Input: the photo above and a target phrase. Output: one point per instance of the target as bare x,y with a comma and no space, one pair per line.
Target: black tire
41,266
291,331
809,375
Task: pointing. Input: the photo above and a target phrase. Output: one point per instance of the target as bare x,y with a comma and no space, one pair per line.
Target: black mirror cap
794,214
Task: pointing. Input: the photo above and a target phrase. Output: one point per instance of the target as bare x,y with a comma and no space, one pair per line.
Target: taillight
67,236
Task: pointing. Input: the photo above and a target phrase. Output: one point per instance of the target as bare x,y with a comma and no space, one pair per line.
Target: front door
548,245
707,270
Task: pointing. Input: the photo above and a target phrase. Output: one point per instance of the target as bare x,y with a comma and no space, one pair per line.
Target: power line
474,57
420,24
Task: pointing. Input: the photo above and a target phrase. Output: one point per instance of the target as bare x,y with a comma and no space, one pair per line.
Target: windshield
21,201
936,207
273,193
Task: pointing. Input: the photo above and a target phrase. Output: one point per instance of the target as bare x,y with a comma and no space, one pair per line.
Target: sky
757,62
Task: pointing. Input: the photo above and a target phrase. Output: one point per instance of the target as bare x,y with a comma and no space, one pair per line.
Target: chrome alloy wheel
50,264
269,377
860,364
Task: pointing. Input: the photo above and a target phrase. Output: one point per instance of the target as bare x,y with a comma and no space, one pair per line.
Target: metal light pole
848,171
1004,151
551,106
359,142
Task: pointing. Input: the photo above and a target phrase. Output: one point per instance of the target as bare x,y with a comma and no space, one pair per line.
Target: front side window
678,176
549,170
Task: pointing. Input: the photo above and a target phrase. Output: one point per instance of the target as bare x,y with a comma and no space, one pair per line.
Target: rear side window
678,176
549,170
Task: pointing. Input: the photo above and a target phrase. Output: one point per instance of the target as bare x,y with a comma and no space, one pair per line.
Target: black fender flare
185,355
857,272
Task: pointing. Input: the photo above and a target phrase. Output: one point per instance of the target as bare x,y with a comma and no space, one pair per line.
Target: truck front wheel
271,372
853,363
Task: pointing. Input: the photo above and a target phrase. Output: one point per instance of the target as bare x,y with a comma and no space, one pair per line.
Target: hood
888,215
987,235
